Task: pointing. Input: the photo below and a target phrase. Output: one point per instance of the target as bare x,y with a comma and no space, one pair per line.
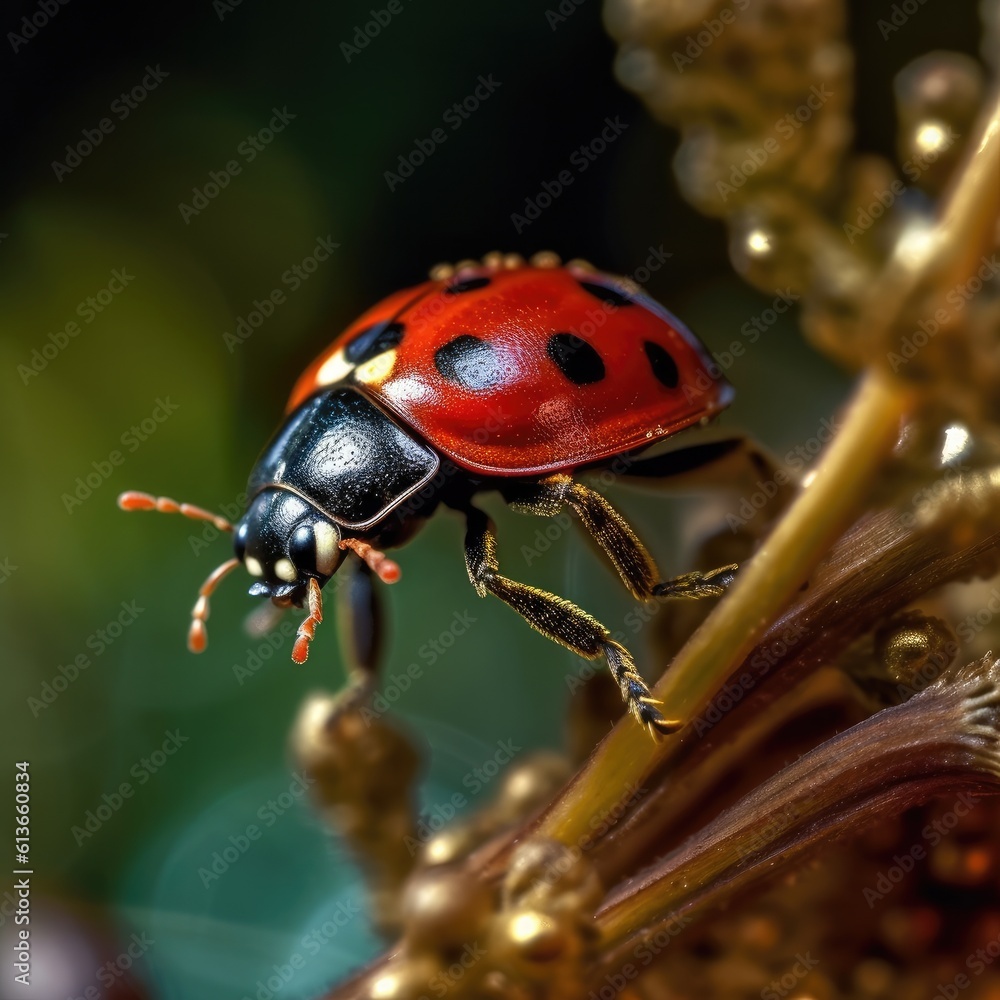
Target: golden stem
943,737
820,511
762,588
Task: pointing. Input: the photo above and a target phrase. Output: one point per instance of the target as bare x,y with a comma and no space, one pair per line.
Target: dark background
70,569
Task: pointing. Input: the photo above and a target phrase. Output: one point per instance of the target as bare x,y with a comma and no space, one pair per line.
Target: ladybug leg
620,543
737,464
690,458
560,620
359,625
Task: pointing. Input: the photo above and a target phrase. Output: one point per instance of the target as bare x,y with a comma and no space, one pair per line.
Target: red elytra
523,369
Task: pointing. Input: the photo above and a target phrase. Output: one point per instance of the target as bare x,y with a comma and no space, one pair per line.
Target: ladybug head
290,547
285,542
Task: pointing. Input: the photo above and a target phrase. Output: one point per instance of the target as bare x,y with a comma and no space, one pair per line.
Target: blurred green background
73,565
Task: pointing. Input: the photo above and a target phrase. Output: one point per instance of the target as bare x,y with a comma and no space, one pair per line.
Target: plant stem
821,510
763,587
897,758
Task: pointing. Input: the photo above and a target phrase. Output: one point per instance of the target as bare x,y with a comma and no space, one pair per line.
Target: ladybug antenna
134,500
197,633
307,628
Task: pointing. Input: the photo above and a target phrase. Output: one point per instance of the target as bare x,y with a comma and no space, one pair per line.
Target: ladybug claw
660,727
695,585
657,725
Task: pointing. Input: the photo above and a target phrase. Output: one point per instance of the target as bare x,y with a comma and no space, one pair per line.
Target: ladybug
505,375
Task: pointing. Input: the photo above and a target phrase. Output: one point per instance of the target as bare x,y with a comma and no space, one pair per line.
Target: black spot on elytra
663,365
469,361
576,359
373,341
468,285
606,293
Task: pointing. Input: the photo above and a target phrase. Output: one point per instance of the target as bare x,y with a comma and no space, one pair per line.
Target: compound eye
240,541
302,548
